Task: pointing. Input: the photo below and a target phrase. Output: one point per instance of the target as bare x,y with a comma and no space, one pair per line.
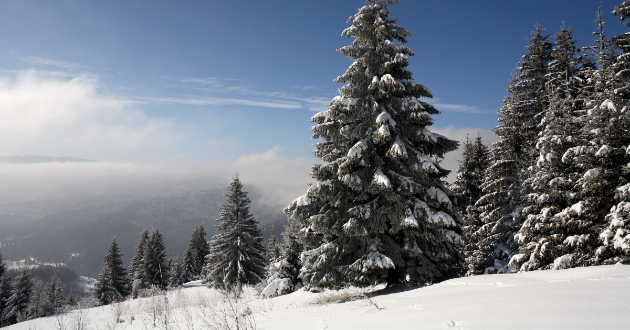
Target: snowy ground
581,298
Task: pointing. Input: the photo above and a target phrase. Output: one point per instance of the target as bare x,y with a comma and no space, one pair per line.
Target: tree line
552,193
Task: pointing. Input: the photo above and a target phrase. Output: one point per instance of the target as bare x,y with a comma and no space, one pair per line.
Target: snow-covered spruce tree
55,297
545,235
469,188
136,270
195,254
113,284
510,161
282,273
598,160
272,249
491,246
156,269
379,211
187,267
465,185
236,254
17,304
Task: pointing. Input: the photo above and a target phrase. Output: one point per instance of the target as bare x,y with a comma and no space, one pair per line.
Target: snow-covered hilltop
579,298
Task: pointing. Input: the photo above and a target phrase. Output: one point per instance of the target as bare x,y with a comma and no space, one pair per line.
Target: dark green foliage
195,255
5,292
55,297
137,264
156,269
187,267
17,303
236,253
113,284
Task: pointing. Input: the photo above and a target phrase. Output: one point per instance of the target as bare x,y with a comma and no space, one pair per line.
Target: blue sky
146,81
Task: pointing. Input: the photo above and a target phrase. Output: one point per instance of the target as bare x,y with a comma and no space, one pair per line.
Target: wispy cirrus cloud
460,108
48,62
206,100
251,96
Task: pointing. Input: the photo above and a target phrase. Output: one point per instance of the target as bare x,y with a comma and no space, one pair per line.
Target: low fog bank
279,179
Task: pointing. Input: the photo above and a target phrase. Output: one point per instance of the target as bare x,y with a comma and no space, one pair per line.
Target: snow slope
580,298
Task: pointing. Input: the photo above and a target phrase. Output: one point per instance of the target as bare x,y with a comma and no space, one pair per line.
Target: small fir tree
3,267
379,211
55,297
113,284
195,254
273,251
156,268
283,272
17,304
187,267
236,253
465,185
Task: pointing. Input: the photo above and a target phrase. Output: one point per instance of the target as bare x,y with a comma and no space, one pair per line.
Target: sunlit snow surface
580,298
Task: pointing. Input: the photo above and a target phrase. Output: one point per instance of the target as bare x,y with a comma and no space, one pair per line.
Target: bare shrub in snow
227,311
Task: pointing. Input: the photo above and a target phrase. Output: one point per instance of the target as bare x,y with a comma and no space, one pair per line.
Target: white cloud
459,134
248,96
52,115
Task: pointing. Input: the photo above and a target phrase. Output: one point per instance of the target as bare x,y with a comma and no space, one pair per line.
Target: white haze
279,178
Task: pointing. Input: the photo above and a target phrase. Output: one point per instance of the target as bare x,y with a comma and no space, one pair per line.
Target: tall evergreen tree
543,236
136,270
236,253
113,284
5,292
17,304
156,269
379,211
466,185
615,236
510,160
470,175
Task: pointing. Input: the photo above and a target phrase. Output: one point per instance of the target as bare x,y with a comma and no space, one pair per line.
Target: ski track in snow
580,298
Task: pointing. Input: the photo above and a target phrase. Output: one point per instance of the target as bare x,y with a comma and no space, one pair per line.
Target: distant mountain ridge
33,159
